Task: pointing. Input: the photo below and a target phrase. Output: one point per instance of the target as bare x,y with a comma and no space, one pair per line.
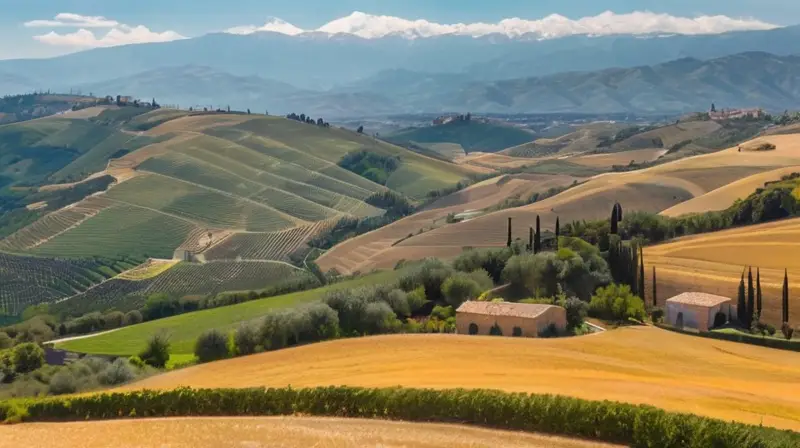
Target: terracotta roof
699,299
504,309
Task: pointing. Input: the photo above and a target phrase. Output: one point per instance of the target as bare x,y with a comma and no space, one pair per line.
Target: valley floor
285,432
641,365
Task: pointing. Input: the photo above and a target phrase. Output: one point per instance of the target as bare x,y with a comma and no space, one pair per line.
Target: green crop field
120,230
31,280
185,328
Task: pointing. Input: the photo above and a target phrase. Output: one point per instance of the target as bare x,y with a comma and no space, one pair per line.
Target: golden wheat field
713,263
654,190
636,365
284,432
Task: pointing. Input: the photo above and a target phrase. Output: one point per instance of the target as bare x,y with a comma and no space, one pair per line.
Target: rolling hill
642,365
653,189
237,192
470,136
714,263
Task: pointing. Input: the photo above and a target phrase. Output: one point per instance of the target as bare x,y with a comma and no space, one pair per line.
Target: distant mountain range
341,75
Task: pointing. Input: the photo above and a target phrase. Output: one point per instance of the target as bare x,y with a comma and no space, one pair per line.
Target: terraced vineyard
206,187
31,280
188,279
120,230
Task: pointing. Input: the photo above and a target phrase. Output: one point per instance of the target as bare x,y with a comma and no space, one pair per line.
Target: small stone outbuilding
512,319
697,310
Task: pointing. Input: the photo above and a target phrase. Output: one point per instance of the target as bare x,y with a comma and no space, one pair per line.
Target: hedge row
781,344
635,425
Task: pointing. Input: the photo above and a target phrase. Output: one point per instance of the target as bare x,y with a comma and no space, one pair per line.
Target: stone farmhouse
698,311
512,319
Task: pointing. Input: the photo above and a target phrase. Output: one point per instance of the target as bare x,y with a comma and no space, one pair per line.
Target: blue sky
191,18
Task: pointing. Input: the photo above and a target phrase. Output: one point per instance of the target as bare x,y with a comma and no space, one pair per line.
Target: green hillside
472,136
232,190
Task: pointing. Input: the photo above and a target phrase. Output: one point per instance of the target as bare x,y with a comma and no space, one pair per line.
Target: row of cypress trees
750,301
534,236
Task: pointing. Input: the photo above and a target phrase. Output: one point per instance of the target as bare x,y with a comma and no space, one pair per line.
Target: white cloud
371,26
122,35
274,25
66,19
117,34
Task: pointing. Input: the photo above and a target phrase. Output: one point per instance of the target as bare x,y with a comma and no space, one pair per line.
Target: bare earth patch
284,432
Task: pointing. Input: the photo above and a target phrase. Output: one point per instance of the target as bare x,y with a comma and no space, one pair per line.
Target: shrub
431,274
118,372
443,312
493,261
156,353
5,341
113,320
495,330
245,340
657,315
132,318
27,357
212,345
63,382
459,288
416,299
136,362
616,303
379,318
398,301
576,309
516,332
720,319
550,332
787,331
7,371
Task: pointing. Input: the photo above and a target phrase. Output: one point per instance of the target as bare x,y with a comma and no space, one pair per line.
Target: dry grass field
646,365
714,262
367,251
653,190
284,432
619,158
725,196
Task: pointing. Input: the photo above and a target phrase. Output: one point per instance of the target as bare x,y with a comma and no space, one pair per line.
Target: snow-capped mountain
370,26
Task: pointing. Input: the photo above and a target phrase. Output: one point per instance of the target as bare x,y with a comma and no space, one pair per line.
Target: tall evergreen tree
537,237
751,298
558,232
530,238
641,273
655,294
758,292
785,296
508,243
741,305
614,221
619,212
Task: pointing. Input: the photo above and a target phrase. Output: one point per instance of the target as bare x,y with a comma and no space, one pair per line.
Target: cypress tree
614,221
751,298
641,273
508,243
558,232
537,238
741,306
530,238
785,296
619,212
758,292
655,295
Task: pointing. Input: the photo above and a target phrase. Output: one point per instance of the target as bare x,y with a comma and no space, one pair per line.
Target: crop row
259,246
632,425
117,231
32,280
187,279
